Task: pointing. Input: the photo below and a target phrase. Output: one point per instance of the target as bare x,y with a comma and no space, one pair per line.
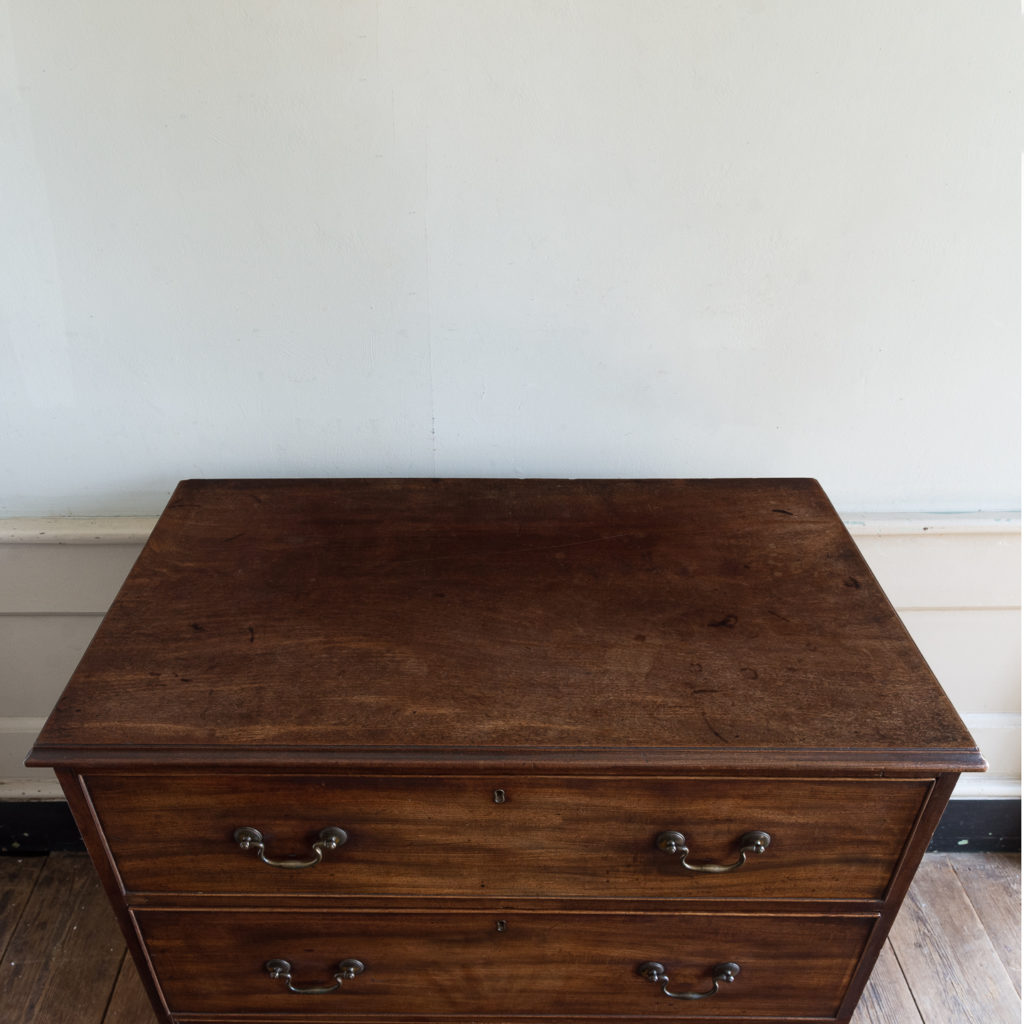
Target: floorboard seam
906,981
113,988
24,908
978,913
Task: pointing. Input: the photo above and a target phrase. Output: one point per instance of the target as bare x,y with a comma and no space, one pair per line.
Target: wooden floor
953,956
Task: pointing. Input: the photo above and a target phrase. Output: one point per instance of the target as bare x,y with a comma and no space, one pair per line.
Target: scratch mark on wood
704,715
728,622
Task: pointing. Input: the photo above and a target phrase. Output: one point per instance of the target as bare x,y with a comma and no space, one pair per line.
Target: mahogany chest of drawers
496,751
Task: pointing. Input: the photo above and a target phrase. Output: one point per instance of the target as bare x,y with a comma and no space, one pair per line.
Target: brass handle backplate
330,838
345,971
750,842
655,972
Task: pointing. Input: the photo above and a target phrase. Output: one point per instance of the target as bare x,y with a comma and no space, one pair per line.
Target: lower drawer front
419,963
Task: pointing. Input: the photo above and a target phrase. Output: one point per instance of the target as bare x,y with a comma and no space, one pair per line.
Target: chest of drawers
495,751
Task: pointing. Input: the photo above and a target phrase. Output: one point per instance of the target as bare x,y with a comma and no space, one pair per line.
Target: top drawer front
518,836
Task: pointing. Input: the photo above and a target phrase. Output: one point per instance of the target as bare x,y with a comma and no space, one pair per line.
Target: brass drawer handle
750,842
329,839
655,972
345,971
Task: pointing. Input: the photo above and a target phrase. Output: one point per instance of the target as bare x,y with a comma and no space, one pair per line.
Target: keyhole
502,925
499,796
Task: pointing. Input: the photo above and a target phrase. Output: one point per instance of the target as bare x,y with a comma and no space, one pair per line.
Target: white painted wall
509,237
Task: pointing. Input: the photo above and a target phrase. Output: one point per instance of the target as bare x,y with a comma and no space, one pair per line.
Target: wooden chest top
634,623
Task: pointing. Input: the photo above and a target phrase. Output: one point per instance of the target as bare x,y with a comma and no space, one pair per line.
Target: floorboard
128,1004
64,953
992,884
947,956
18,877
887,997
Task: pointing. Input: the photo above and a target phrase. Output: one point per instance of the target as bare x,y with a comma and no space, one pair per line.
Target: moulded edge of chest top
831,763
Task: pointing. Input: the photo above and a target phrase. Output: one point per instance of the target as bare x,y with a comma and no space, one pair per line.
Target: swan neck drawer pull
345,971
750,842
329,839
655,972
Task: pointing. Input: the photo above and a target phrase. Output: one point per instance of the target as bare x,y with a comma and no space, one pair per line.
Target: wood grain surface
504,691
466,963
550,836
889,998
940,934
66,921
457,615
992,887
